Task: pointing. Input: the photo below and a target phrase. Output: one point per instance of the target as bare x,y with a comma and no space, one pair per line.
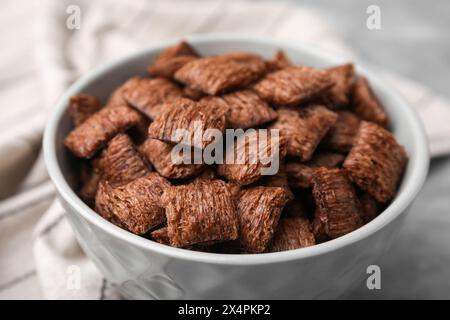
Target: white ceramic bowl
145,269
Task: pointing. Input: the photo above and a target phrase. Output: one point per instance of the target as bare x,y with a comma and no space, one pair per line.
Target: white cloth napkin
111,29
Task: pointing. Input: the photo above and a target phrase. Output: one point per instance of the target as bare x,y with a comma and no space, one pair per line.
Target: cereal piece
159,155
279,61
159,109
293,85
336,199
245,109
253,61
259,210
90,178
300,174
304,129
144,94
194,117
319,227
120,162
342,133
116,97
161,235
81,107
249,158
135,205
369,207
216,74
279,180
171,59
200,212
206,175
376,162
98,129
292,233
192,93
344,77
366,105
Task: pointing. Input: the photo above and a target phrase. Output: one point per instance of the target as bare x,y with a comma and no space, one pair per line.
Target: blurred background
45,48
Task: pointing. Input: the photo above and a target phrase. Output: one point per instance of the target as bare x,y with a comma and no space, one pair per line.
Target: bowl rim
419,162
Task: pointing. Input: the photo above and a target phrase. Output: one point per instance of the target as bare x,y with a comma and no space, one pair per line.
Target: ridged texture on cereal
336,199
319,227
81,107
376,162
120,162
245,109
200,212
161,235
135,205
303,129
342,133
218,74
259,209
344,78
279,61
292,233
144,94
300,174
242,163
293,85
171,59
159,154
192,117
366,105
86,139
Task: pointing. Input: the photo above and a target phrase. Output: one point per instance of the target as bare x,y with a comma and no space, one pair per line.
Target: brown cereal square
342,133
344,78
244,109
366,104
192,117
171,59
292,233
200,212
293,85
217,74
303,129
161,236
81,107
135,205
159,154
120,162
376,162
279,61
336,199
86,139
259,209
144,94
243,164
300,174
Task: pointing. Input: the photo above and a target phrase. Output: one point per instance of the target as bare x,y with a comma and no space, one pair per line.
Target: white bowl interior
101,82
